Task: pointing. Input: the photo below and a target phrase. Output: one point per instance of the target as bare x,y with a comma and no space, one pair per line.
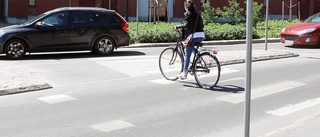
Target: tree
232,12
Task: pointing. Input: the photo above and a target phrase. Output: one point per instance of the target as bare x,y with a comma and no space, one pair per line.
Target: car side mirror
39,25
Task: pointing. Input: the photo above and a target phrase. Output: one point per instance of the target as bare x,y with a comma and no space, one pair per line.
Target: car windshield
313,19
36,18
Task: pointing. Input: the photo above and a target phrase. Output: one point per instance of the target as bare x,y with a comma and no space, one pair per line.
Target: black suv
66,29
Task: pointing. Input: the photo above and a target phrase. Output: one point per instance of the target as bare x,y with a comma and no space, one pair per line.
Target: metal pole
267,15
137,19
282,10
150,1
290,11
248,69
127,10
109,4
168,14
154,11
158,5
299,10
69,3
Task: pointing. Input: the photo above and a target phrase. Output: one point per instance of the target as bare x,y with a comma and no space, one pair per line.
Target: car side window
81,17
58,19
316,19
102,17
116,19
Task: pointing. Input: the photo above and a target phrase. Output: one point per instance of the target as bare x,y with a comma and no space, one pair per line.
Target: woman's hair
190,5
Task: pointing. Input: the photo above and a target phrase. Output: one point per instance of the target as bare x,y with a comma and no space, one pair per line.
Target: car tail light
125,25
215,52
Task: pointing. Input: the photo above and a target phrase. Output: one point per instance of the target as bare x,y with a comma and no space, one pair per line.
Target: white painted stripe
293,108
190,78
112,125
291,127
262,91
228,71
232,79
137,60
162,81
158,71
57,99
123,57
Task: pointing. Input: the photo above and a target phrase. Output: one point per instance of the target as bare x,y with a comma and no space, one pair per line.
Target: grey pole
282,10
137,19
290,11
109,4
267,20
248,69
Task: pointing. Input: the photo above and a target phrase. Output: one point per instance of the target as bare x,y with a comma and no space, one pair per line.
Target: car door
51,34
82,29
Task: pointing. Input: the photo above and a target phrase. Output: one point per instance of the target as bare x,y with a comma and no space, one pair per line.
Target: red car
303,33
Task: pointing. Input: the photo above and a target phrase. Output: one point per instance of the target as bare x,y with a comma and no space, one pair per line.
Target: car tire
15,49
318,45
104,45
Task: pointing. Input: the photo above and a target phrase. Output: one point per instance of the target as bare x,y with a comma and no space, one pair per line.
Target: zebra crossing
141,69
234,98
138,63
262,91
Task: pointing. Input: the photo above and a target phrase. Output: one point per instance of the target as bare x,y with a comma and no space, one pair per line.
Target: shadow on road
228,88
75,55
303,46
224,88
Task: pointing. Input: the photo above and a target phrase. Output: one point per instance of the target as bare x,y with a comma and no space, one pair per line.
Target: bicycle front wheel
207,70
170,63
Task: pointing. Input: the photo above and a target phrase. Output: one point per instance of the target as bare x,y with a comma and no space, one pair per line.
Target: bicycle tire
170,63
207,70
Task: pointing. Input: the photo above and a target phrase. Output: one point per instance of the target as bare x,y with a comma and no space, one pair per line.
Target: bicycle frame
180,48
203,61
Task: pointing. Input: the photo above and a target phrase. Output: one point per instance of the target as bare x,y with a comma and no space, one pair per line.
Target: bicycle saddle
198,44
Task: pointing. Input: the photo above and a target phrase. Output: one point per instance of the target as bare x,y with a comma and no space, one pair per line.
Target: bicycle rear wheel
207,70
170,63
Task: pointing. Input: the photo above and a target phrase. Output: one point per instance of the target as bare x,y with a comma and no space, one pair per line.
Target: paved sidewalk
16,79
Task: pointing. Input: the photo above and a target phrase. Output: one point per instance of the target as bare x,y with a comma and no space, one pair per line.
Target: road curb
208,43
25,89
236,57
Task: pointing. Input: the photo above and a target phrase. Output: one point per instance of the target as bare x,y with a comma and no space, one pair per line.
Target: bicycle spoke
207,70
170,63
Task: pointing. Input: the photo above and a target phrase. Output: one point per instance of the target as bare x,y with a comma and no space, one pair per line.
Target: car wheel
15,49
104,45
318,42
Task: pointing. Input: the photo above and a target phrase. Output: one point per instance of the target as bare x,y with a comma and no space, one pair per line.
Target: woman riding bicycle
193,29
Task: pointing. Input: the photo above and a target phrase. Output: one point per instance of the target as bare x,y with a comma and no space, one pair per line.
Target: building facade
18,11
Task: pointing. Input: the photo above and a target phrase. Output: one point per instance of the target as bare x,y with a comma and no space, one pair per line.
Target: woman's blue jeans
189,51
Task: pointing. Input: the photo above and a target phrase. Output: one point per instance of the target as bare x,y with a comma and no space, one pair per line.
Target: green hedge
163,32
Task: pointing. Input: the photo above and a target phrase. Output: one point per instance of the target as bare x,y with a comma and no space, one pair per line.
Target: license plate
289,42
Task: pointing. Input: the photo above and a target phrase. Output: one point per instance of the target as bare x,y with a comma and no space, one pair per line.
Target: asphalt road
125,95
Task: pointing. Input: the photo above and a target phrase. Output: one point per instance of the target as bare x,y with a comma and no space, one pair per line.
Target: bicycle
205,66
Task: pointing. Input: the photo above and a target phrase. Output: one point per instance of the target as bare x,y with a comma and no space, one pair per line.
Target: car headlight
283,29
306,31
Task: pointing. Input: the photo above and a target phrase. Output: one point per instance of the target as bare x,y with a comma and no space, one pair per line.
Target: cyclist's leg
189,51
187,56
